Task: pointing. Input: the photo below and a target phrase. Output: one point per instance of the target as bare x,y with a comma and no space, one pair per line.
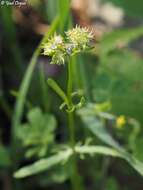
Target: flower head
55,48
77,40
79,37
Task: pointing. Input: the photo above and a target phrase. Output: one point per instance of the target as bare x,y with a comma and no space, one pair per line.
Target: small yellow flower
120,121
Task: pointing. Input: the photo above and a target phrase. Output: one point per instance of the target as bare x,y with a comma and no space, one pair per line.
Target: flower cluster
77,40
55,48
80,38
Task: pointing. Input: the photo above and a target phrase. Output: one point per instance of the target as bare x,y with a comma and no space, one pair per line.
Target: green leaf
119,37
58,90
97,127
138,149
57,175
92,149
112,184
19,107
136,164
131,7
119,79
44,164
64,12
38,133
4,157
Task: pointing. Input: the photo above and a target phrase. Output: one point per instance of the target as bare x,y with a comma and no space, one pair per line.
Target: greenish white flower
55,48
77,39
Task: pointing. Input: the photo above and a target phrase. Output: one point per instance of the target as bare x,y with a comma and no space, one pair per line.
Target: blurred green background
113,73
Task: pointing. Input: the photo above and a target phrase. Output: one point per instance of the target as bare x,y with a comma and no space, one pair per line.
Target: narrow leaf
19,107
43,164
57,89
92,149
97,127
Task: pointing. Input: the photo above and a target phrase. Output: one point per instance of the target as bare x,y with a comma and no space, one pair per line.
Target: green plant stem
75,177
70,114
71,128
69,86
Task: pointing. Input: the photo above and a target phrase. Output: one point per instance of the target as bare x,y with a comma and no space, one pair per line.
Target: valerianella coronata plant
77,39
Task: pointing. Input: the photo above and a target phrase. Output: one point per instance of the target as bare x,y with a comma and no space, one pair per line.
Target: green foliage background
131,7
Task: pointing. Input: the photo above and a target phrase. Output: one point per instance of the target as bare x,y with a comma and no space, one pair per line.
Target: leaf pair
63,156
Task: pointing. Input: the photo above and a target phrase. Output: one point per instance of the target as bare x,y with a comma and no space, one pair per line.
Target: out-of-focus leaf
51,9
119,80
4,157
60,7
57,175
44,164
112,184
131,7
138,149
97,127
38,133
118,38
